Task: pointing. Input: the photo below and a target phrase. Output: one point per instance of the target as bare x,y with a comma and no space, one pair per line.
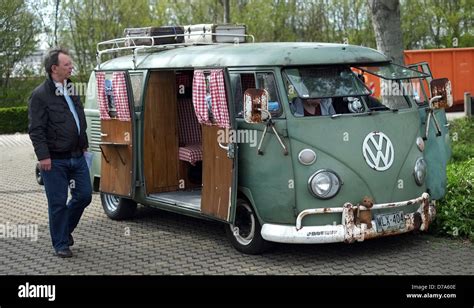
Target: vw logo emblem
378,151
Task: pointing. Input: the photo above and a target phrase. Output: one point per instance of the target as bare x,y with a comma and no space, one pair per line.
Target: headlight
420,171
324,184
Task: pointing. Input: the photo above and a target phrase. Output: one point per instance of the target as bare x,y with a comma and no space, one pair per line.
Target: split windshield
325,82
392,72
351,89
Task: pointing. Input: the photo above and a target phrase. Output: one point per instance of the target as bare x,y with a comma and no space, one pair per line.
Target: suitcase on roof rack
155,31
210,33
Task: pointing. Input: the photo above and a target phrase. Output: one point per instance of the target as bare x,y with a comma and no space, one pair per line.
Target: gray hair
51,57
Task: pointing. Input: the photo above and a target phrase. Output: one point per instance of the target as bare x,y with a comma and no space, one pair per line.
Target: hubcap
244,228
111,202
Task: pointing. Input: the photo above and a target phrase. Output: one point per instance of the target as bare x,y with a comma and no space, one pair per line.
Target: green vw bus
282,142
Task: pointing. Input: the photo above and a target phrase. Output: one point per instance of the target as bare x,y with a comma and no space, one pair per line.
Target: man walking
57,129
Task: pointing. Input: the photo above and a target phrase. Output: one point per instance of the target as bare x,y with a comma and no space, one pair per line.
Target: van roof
251,54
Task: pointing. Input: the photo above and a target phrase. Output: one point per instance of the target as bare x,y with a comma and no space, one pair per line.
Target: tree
415,24
18,28
387,26
437,24
44,11
93,21
56,11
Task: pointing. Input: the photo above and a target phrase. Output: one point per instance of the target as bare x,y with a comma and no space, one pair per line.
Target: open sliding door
116,145
219,178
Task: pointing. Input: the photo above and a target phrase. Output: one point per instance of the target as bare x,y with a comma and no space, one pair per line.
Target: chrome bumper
349,231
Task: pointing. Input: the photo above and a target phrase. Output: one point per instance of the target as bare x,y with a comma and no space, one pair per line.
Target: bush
18,91
462,139
13,119
455,215
456,210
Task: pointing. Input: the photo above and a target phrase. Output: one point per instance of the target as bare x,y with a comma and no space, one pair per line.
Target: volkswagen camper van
281,142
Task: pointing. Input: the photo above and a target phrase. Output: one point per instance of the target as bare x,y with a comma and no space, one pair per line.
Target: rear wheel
117,208
244,234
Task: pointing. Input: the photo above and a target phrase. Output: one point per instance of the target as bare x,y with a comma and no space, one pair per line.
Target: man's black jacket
52,127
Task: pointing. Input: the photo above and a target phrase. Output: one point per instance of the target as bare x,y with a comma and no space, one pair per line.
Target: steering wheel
354,104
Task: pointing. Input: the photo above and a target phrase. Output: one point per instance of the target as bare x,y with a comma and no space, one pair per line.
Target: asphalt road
157,242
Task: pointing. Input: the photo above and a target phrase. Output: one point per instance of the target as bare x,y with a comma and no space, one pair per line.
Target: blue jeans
64,216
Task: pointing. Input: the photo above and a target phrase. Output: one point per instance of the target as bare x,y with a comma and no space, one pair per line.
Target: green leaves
456,209
18,30
13,119
91,21
435,24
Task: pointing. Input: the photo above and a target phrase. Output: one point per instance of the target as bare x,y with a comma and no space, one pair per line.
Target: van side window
267,81
290,89
237,94
208,98
243,81
136,79
239,84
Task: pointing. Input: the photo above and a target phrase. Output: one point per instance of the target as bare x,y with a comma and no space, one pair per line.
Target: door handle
224,147
229,148
103,135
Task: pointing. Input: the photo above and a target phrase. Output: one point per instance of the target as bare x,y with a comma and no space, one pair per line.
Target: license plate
392,221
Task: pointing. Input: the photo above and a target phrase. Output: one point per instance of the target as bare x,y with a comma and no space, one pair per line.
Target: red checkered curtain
119,86
189,130
101,98
199,97
219,100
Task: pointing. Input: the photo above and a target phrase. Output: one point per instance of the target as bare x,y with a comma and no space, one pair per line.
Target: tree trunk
226,12
56,24
388,28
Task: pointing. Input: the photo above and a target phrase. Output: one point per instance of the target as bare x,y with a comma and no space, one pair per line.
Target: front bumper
349,231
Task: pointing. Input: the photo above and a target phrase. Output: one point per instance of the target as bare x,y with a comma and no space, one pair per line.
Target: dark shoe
71,240
65,253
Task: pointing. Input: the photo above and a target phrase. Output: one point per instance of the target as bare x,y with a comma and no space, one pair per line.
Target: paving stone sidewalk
158,242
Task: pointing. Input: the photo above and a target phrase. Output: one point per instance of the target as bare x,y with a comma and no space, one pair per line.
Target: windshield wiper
379,108
368,113
338,115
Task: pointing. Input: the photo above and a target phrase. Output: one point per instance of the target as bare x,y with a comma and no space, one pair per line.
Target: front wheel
117,208
244,234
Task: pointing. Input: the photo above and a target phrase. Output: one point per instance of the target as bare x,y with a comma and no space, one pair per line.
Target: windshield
393,72
392,85
343,89
325,82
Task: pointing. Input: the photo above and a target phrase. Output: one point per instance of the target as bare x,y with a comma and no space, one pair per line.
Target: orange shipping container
456,64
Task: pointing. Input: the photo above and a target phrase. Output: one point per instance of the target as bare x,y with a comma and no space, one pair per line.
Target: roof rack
129,43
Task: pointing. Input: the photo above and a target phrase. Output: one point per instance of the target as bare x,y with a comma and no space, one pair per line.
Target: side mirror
442,90
255,105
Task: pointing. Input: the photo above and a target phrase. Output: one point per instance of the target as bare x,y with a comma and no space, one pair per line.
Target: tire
247,238
117,208
39,178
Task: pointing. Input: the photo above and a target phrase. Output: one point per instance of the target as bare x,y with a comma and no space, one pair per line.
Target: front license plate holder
390,221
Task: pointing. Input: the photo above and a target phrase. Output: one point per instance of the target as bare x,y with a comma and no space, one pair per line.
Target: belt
66,155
